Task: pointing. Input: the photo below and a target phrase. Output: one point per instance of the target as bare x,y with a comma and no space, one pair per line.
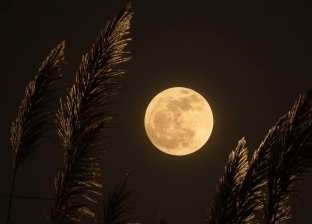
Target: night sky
249,60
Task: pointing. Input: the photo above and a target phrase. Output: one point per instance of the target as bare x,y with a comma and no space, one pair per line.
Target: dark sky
249,60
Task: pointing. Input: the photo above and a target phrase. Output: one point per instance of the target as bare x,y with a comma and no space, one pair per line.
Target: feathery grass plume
162,220
224,205
291,159
250,196
82,119
118,208
34,118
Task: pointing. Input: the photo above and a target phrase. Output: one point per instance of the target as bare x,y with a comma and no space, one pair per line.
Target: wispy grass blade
34,117
118,207
224,205
291,159
278,165
250,197
82,120
162,220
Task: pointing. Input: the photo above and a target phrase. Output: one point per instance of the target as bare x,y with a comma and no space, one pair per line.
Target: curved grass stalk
224,206
282,162
34,117
118,207
291,159
82,120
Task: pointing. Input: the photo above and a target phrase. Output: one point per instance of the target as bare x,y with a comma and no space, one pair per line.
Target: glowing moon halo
178,121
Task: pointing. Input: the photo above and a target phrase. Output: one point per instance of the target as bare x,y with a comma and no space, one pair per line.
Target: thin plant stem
11,196
27,197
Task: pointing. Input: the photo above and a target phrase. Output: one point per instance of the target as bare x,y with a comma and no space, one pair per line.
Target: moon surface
178,121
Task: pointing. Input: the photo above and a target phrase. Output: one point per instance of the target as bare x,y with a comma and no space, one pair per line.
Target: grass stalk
11,196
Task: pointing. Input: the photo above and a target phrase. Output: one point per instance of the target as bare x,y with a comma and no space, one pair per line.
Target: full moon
178,121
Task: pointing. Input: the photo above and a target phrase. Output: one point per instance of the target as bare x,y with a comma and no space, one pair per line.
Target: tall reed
118,207
83,119
35,118
281,163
